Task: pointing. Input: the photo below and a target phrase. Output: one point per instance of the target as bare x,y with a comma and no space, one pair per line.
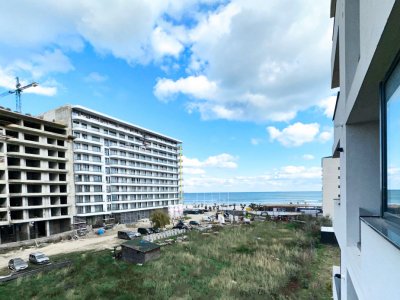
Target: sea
311,198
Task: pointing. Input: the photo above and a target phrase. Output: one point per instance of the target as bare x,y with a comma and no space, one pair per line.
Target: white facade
35,200
330,184
366,42
121,170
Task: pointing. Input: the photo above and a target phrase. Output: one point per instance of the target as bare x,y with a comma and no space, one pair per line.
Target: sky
244,84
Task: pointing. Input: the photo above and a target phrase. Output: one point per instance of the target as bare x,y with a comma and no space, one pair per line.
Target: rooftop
82,108
141,245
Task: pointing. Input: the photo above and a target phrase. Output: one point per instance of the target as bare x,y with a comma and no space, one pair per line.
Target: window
96,168
96,178
97,188
96,158
391,143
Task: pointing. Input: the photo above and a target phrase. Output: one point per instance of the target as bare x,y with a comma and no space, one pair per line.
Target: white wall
373,271
330,184
380,266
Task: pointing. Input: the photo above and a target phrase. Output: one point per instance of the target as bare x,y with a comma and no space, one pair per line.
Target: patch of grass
263,261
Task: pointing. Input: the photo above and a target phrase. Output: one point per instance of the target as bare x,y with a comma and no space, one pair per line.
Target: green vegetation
159,219
265,260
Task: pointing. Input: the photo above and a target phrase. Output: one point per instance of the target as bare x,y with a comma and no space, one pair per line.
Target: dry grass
260,261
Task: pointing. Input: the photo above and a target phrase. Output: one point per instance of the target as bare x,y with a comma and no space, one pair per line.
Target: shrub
159,219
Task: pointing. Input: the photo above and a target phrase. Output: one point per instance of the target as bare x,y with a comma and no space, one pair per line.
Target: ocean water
254,197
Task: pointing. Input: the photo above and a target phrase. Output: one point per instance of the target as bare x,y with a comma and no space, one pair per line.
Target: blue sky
244,84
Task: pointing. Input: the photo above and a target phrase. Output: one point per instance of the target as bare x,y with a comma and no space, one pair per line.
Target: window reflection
393,148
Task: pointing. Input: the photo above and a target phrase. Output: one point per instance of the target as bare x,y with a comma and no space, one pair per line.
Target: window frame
383,139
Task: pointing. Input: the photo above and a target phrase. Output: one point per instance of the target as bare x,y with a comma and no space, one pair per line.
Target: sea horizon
289,197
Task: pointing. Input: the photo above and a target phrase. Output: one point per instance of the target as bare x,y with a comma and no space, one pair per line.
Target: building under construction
34,192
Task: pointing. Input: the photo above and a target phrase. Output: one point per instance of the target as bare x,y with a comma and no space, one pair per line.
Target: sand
90,242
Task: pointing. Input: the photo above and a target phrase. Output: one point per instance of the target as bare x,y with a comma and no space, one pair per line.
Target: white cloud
326,135
255,141
193,171
294,135
269,75
223,160
7,81
244,60
308,157
286,178
328,106
165,44
95,77
393,170
298,172
194,166
195,86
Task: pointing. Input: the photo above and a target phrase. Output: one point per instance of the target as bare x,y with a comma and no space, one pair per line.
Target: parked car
128,235
180,225
38,258
17,264
194,223
207,219
155,230
145,231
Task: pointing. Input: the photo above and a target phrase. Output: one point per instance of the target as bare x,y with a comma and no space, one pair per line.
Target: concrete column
47,228
25,231
362,169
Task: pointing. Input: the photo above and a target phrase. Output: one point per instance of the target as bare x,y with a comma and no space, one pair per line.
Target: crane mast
18,90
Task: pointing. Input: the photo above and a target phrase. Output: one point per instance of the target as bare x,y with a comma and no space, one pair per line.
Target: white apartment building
120,170
366,68
330,184
34,191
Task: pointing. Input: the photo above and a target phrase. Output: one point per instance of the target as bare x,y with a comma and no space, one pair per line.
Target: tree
159,219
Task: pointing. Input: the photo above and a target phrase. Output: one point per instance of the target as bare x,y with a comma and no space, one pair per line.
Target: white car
207,219
17,264
38,258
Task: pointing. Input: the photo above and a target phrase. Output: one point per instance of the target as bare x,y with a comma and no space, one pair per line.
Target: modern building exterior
34,192
120,171
330,184
365,66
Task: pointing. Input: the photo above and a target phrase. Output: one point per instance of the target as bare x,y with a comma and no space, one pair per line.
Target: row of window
132,180
33,138
83,146
117,188
88,188
88,178
133,150
133,197
106,122
139,173
123,162
89,209
89,198
88,168
87,157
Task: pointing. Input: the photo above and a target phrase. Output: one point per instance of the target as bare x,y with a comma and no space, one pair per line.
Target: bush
159,219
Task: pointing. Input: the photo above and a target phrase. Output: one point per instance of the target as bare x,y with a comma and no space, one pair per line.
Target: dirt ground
90,242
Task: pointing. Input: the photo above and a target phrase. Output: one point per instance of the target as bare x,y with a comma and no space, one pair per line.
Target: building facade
34,192
330,184
365,66
120,171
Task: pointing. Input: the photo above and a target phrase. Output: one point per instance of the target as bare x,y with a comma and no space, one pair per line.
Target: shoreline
268,204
